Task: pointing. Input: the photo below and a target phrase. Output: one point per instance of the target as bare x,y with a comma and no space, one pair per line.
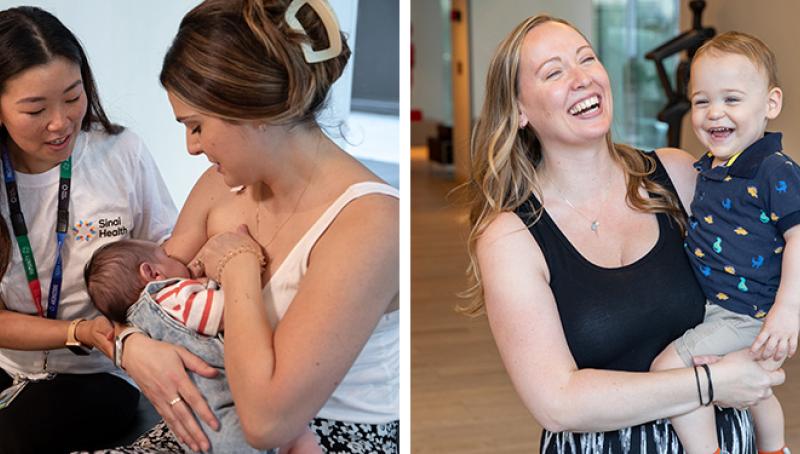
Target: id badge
9,394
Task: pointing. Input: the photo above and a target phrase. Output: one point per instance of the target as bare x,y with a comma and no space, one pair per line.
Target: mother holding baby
311,283
578,259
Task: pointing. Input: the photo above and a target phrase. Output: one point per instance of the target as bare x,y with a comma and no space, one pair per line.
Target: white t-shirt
116,192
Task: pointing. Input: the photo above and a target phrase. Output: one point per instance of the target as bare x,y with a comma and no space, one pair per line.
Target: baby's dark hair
112,276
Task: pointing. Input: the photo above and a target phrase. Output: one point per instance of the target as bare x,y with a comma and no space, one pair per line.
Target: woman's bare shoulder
373,211
502,226
191,230
680,168
676,161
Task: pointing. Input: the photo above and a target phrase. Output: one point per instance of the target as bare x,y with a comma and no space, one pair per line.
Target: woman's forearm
250,355
599,400
281,378
30,332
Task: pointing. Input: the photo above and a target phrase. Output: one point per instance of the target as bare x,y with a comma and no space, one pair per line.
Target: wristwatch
119,342
73,344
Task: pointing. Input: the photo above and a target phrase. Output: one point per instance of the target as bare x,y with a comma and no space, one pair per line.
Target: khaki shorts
721,332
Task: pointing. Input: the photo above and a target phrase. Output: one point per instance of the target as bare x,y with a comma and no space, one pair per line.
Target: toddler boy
742,231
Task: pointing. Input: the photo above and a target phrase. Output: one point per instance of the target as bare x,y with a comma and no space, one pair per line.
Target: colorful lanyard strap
21,233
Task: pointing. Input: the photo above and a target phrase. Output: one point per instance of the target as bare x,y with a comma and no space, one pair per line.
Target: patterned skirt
337,437
334,437
735,433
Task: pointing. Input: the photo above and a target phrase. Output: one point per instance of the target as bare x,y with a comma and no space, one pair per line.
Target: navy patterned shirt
739,214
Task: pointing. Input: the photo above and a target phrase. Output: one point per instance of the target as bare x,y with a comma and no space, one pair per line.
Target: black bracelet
697,379
710,385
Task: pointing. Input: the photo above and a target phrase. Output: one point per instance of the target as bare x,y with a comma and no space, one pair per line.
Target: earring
523,119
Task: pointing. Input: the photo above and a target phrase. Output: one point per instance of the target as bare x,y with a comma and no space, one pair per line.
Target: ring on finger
175,401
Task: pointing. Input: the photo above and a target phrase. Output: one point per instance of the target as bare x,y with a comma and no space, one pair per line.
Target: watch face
78,350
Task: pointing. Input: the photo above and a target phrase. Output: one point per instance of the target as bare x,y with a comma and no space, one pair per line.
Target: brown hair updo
240,60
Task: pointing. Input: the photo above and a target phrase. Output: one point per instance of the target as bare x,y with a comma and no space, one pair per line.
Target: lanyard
21,233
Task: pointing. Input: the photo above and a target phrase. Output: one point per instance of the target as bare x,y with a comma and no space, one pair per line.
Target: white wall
491,21
461,77
429,92
126,42
775,23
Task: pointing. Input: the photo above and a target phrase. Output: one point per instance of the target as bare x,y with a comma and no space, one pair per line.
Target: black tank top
620,318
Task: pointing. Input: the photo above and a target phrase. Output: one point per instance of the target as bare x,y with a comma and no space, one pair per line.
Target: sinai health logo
103,228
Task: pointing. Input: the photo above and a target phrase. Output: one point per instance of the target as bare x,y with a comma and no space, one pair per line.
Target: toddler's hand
778,337
740,381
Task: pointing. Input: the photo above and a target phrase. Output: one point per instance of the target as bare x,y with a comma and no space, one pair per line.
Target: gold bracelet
231,254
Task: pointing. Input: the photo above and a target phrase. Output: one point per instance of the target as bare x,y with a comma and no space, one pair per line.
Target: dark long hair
31,37
5,247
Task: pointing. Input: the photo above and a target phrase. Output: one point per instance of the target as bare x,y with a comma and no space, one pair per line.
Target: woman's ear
774,103
523,119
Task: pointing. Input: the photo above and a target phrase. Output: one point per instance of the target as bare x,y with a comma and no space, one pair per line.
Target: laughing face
42,109
564,89
731,103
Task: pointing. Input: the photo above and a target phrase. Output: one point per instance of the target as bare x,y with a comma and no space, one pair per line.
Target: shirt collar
746,163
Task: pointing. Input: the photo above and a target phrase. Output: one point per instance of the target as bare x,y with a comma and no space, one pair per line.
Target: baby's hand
220,248
778,337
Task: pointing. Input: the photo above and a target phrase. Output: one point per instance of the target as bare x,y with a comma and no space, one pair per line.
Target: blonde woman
577,256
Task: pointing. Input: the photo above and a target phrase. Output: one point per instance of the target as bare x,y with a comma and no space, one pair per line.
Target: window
626,30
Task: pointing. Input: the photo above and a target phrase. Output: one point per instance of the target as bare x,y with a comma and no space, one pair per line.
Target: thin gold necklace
594,224
296,204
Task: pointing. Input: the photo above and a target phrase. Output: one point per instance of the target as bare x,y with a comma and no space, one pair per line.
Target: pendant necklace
594,224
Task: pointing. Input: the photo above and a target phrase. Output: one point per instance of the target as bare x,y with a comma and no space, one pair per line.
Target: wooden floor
461,398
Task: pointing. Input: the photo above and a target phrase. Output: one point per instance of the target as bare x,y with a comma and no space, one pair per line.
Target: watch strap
72,343
120,341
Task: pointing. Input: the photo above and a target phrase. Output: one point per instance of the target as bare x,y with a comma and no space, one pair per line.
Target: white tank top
369,392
